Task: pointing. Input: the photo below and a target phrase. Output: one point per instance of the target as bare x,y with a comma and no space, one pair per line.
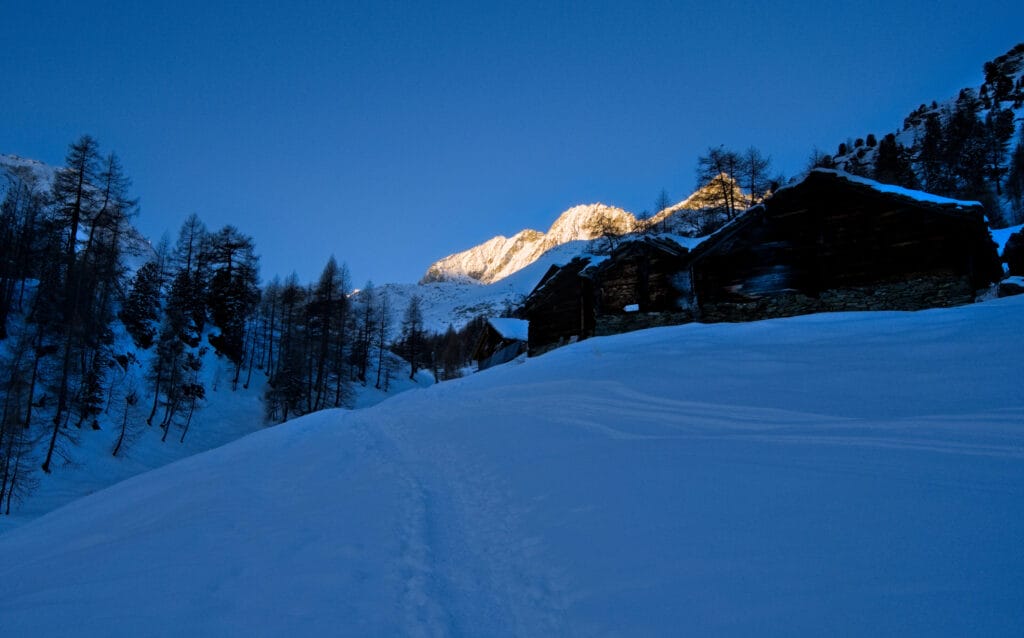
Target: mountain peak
501,256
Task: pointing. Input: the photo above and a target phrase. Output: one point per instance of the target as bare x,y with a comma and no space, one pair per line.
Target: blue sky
392,134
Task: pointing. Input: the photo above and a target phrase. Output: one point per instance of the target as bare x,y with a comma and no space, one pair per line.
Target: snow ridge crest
502,256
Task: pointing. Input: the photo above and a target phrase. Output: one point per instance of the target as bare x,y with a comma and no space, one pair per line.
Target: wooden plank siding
805,246
561,308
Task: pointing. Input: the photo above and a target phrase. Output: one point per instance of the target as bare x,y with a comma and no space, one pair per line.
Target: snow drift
842,474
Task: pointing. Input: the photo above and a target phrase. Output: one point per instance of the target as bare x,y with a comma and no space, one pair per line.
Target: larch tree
893,164
1015,180
412,335
717,178
753,174
233,291
382,333
74,204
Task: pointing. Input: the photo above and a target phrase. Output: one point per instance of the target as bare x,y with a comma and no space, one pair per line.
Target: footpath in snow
844,474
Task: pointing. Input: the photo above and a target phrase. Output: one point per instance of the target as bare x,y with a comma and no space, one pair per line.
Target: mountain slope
501,256
456,302
997,108
853,474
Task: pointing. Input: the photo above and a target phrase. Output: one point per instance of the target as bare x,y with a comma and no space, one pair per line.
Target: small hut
502,340
838,242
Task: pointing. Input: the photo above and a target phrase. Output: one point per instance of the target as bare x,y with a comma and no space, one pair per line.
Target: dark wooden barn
837,242
502,340
642,284
561,307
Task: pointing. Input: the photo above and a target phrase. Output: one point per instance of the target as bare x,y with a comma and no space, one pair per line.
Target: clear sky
391,134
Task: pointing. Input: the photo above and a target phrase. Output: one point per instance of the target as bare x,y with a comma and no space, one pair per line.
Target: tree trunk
156,394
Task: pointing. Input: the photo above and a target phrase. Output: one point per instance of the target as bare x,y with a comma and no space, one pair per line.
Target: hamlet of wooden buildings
831,242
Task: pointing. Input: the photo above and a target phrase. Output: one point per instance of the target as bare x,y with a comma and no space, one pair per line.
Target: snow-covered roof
510,328
891,189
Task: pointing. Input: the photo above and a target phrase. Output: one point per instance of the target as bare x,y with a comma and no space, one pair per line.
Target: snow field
838,474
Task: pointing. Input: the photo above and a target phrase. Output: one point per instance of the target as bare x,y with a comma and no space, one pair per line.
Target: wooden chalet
838,242
561,307
642,284
502,340
833,242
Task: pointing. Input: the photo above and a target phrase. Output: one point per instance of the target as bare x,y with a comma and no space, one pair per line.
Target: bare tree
753,174
412,334
717,180
381,340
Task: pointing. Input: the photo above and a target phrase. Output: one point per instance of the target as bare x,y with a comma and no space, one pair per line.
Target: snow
919,196
1001,235
500,257
1016,280
44,173
509,328
224,416
686,242
851,474
456,302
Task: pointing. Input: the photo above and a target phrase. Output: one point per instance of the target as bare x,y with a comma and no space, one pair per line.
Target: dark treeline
64,285
316,342
446,355
86,341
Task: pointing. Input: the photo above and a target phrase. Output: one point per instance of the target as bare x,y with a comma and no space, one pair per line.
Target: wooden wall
830,245
561,310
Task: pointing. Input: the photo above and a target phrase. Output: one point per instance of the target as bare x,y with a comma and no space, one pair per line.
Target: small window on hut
633,307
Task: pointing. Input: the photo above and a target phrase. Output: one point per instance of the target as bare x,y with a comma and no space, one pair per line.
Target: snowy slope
457,302
137,250
87,466
843,474
13,165
859,159
500,257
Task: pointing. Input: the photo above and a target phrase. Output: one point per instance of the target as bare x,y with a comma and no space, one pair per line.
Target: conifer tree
74,198
930,155
21,217
1015,180
233,290
382,334
90,202
140,313
413,335
326,323
997,135
364,331
286,387
893,165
